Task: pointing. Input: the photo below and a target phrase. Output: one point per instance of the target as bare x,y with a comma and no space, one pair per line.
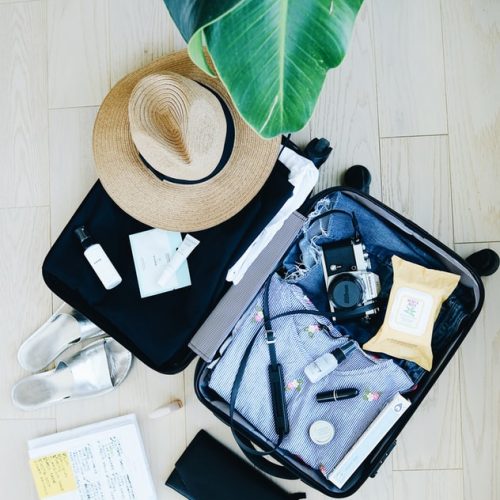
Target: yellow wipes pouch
415,300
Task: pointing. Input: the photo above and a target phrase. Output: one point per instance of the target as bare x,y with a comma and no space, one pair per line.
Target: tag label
410,312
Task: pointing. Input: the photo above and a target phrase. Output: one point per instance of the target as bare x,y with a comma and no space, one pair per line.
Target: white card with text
152,251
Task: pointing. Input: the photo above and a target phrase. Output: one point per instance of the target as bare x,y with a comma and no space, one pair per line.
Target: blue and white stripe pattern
299,340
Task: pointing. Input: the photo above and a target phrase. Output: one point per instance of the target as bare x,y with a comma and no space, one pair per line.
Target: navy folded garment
156,329
209,471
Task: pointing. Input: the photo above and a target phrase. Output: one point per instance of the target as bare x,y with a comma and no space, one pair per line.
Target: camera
351,287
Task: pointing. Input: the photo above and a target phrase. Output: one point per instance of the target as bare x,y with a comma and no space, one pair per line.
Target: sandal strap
85,326
90,370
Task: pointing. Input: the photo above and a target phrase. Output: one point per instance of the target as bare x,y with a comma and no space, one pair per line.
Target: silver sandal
95,370
65,327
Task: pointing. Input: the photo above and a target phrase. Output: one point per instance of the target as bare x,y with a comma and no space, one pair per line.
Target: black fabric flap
155,329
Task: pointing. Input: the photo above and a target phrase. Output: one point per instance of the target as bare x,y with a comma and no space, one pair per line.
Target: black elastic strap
265,465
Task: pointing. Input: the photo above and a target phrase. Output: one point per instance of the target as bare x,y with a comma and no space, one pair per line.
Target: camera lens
346,292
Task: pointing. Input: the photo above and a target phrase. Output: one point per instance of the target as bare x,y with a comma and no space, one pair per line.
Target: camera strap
276,381
275,370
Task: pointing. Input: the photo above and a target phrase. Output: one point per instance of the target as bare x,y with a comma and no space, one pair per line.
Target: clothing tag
152,251
410,313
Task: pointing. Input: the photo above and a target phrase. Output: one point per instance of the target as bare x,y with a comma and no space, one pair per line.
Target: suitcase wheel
485,262
358,177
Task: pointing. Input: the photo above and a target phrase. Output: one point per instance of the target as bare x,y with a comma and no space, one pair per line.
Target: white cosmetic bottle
328,362
98,259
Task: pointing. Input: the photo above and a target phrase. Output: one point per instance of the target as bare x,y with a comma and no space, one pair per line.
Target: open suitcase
384,232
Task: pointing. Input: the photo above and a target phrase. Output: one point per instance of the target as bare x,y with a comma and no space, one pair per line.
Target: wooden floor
417,100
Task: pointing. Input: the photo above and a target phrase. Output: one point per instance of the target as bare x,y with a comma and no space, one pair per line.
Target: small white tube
186,247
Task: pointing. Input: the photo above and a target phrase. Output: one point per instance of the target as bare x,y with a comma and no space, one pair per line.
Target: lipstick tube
336,395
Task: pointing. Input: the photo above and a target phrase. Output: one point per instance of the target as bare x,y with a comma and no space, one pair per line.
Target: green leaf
273,55
192,16
196,53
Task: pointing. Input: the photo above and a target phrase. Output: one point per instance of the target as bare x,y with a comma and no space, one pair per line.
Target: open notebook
102,461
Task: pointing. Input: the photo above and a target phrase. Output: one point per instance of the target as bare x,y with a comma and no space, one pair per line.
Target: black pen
336,395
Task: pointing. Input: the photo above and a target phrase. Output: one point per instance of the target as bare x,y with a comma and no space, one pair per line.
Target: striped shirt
300,339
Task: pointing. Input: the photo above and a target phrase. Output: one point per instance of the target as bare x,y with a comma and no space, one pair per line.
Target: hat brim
167,205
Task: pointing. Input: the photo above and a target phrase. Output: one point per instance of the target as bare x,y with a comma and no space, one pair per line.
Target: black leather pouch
207,470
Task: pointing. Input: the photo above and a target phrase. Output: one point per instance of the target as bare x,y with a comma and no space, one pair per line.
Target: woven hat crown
173,152
177,125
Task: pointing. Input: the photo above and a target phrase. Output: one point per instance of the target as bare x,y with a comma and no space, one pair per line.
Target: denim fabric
300,339
303,267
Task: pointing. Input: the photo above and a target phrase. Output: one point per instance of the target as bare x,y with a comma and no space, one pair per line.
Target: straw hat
172,151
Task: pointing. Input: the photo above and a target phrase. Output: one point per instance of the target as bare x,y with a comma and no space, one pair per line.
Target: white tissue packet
152,251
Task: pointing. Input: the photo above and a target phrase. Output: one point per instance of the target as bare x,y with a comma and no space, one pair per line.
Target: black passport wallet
207,470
